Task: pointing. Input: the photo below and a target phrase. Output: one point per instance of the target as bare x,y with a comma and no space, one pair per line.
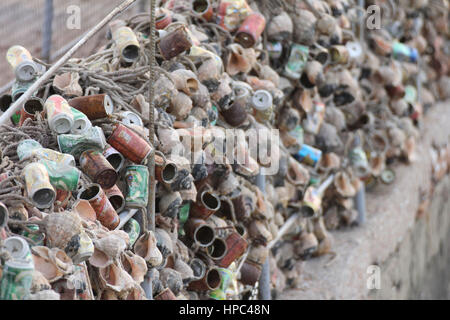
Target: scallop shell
61,227
134,265
146,247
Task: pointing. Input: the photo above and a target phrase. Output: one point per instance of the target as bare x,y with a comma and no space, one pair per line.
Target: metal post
361,3
360,204
47,31
264,279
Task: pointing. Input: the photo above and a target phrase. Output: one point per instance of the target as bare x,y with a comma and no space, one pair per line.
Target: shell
67,84
320,230
343,185
377,164
185,81
115,278
184,269
244,204
239,59
39,282
307,245
280,27
136,293
325,245
164,242
181,106
304,31
146,247
165,91
85,210
171,279
209,71
330,161
61,227
297,174
258,254
134,265
112,246
170,203
52,263
288,119
45,295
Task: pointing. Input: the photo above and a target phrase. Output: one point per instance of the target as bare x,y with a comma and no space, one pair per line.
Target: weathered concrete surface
414,255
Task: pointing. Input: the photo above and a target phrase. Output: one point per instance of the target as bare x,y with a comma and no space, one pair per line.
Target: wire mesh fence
48,28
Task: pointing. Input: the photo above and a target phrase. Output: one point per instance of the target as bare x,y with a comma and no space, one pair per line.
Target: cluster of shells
198,94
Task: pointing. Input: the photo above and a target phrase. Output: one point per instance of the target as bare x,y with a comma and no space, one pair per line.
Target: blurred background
40,26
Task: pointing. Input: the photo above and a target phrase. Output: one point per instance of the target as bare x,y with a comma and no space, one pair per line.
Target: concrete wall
413,252
420,266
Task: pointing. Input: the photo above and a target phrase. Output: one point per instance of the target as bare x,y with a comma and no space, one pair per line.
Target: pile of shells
342,104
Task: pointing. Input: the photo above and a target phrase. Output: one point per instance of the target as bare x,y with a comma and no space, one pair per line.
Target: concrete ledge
391,221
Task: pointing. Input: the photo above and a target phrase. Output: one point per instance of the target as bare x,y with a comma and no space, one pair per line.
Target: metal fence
46,27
